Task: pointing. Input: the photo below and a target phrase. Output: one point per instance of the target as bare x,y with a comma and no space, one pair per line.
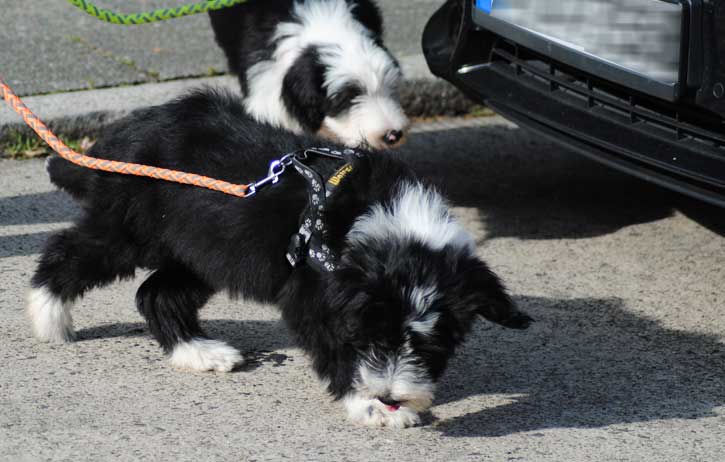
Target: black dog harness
308,244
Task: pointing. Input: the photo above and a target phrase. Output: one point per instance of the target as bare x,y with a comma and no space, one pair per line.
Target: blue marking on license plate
485,5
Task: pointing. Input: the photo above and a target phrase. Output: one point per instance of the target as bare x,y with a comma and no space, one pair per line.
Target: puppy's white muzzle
377,122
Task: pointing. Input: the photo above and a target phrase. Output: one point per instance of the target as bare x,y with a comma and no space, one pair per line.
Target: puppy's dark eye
342,100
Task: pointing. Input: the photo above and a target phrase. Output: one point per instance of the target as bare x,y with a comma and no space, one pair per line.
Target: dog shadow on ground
32,209
530,188
586,363
37,208
259,341
22,245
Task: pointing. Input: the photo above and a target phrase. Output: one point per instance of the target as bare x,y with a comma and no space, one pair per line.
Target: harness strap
308,244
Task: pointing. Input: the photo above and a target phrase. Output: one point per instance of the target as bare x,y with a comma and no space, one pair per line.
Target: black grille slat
597,96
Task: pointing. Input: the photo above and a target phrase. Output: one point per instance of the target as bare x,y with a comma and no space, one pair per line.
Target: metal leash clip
276,168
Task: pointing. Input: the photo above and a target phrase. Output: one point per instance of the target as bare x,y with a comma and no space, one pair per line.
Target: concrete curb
86,113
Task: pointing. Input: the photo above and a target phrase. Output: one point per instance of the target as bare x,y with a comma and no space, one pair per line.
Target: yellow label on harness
340,174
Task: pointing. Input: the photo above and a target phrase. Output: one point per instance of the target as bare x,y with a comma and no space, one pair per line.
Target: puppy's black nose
388,401
393,137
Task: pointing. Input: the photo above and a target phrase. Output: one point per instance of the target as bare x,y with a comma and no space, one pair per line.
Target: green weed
21,146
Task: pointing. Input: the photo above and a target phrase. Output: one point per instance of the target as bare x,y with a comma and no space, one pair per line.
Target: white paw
205,355
50,317
373,413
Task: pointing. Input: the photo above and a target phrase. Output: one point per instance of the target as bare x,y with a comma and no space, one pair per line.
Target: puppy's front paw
373,413
205,355
401,418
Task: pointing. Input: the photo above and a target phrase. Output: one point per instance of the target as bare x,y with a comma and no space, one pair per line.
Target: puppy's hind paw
201,354
50,317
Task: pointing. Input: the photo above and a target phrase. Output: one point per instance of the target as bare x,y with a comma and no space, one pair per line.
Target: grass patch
475,112
213,72
480,111
20,146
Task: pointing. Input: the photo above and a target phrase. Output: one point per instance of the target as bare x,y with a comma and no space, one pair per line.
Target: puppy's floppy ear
368,14
302,90
491,300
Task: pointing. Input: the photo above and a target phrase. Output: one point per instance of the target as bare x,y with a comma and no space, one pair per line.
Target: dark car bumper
674,137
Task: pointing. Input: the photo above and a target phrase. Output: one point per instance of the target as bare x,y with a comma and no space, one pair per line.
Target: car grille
677,121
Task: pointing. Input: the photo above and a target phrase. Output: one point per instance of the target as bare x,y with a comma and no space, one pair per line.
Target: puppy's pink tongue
393,407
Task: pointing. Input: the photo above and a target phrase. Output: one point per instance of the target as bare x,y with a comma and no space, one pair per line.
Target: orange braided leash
125,168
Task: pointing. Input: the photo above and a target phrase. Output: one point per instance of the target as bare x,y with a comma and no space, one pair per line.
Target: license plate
642,36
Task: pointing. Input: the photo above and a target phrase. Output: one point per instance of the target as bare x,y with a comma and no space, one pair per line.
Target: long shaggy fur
315,66
379,329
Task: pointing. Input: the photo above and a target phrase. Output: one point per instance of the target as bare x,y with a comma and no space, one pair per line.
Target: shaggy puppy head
356,100
408,289
338,79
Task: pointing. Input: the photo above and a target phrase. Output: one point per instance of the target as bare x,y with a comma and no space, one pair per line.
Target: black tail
69,177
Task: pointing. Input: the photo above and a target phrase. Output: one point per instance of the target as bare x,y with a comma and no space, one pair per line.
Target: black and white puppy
379,328
315,66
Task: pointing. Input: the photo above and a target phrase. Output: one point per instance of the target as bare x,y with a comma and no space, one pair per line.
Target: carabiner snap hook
276,168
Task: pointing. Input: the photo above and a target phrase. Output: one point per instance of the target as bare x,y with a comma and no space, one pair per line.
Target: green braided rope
161,14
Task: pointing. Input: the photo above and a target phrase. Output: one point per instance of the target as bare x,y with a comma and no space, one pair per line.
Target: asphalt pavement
51,46
626,361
